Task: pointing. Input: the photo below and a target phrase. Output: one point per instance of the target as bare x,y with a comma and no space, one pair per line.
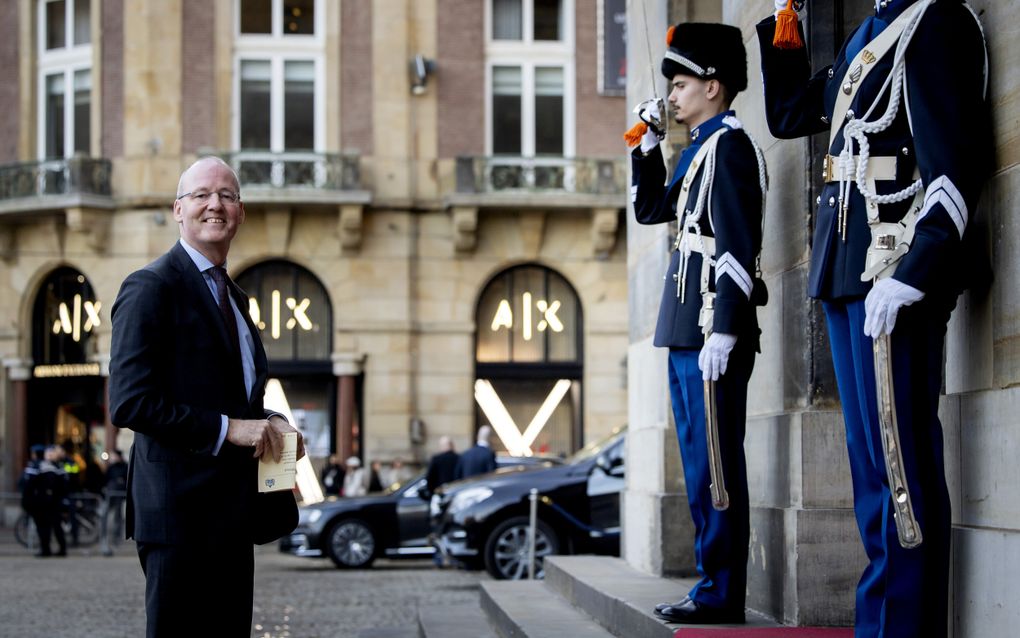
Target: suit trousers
902,592
720,537
198,591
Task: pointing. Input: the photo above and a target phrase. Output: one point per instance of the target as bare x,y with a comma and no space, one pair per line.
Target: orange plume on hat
787,35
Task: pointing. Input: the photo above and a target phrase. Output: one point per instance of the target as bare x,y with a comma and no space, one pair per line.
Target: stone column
346,368
18,372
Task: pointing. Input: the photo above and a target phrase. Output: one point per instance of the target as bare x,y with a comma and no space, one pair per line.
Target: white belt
879,168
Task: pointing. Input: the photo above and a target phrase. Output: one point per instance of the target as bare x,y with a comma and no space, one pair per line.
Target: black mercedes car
355,531
484,521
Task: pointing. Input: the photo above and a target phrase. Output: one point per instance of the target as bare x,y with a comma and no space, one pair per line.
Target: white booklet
274,476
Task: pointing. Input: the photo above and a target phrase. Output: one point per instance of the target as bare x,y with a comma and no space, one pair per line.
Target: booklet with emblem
274,476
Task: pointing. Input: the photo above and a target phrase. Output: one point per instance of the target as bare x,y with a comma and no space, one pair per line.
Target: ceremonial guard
909,150
707,316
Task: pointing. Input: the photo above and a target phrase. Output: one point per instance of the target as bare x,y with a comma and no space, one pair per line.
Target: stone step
454,621
622,598
529,609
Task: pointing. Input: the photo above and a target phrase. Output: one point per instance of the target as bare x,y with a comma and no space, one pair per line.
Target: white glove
715,354
651,112
800,6
883,303
649,140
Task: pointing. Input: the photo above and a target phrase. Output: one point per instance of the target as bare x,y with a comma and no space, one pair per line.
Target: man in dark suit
442,466
478,459
187,374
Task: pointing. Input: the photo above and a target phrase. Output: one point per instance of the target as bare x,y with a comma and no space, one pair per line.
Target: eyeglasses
226,197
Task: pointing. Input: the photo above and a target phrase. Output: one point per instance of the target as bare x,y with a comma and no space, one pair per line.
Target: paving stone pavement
94,596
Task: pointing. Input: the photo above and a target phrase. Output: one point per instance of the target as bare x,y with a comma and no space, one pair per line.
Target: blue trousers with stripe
721,538
903,592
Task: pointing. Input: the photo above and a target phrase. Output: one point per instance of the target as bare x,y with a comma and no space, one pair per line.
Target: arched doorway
292,310
66,401
529,361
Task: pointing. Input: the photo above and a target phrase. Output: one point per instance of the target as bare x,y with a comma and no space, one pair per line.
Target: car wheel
351,544
506,550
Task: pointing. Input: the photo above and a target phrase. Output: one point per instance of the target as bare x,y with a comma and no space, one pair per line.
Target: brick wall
112,52
356,76
601,120
460,78
9,82
198,96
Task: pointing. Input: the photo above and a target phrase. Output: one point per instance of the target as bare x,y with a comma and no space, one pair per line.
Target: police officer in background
717,193
904,103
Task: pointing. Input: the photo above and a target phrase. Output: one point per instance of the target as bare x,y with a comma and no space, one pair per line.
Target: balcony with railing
54,185
541,182
298,177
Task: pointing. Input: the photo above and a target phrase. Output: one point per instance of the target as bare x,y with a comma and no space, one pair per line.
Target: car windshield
595,447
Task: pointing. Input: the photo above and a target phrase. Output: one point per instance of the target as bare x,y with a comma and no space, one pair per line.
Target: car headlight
308,516
468,497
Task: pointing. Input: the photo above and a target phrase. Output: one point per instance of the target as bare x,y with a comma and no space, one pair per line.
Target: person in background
442,466
374,477
399,472
356,478
43,499
332,476
479,459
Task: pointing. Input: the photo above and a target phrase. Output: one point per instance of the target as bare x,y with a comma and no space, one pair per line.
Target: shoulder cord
690,221
858,129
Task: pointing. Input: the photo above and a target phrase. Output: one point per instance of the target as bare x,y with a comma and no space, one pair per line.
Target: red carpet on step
767,632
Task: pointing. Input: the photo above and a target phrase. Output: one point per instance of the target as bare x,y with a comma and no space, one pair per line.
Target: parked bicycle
82,523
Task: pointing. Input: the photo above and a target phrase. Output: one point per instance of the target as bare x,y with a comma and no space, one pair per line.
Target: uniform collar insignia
712,125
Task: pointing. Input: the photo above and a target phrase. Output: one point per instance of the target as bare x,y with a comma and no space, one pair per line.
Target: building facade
433,192
806,554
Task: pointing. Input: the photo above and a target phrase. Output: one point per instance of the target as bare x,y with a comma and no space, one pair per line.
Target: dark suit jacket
172,375
477,460
442,469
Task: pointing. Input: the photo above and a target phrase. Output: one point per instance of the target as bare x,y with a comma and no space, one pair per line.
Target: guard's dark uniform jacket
736,223
944,94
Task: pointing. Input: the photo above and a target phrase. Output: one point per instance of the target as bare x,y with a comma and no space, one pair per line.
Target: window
528,361
279,92
277,17
65,78
291,310
544,17
530,55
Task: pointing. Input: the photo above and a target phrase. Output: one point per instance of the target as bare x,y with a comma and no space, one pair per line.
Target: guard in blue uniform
905,105
716,194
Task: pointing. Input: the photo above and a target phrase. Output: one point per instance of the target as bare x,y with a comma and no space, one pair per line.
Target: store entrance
70,412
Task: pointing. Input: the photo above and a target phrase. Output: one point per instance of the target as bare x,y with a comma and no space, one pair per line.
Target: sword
720,499
907,528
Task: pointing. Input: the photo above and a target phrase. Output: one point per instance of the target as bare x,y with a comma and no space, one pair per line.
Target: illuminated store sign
517,443
72,321
66,370
298,314
530,309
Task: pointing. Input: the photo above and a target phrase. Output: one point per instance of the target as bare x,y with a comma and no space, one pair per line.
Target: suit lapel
194,283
